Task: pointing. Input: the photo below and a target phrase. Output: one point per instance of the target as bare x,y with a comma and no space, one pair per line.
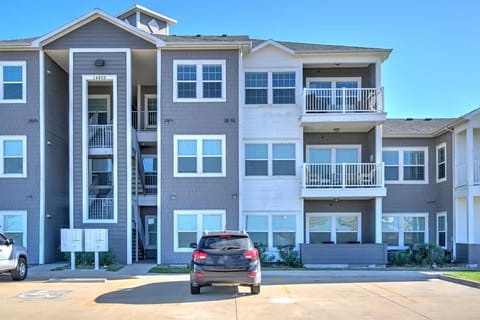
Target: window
262,87
199,80
333,227
335,93
441,162
442,229
406,165
404,230
199,156
13,224
260,157
272,230
150,232
190,224
13,83
13,156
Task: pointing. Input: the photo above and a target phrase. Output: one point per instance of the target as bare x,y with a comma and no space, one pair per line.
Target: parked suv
13,258
225,258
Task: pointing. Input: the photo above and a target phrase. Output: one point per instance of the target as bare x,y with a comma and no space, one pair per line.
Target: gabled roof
203,40
415,128
153,14
85,19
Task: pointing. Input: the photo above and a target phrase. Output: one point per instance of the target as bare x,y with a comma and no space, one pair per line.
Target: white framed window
406,164
272,230
13,156
202,155
190,224
270,87
270,159
334,227
401,230
442,229
199,81
441,167
13,224
150,232
13,85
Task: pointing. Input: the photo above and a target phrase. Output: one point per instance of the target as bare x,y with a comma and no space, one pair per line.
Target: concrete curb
464,282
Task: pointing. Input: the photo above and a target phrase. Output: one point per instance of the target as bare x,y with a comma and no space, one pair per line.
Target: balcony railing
343,175
343,100
100,209
100,136
144,120
462,174
150,183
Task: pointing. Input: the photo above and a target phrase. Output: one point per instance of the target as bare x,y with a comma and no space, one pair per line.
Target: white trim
199,80
41,228
400,151
437,240
22,138
333,228
129,130
270,88
23,213
85,79
159,157
199,214
70,139
12,63
199,155
401,229
438,147
273,43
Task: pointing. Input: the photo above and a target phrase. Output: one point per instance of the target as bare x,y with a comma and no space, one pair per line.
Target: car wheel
21,270
255,289
194,289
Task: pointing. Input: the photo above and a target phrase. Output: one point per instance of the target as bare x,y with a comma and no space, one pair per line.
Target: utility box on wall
71,240
96,240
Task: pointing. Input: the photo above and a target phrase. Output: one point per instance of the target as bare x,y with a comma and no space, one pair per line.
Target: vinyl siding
198,119
24,119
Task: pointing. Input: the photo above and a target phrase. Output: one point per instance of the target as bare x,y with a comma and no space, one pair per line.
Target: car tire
20,272
194,289
255,289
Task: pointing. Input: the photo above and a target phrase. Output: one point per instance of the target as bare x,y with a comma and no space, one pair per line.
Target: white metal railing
343,175
343,100
144,120
151,183
100,208
462,174
100,136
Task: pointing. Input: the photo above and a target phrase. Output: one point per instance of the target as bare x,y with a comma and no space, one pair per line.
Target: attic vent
428,119
153,26
409,119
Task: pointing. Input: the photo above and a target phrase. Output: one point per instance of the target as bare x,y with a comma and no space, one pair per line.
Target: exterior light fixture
99,63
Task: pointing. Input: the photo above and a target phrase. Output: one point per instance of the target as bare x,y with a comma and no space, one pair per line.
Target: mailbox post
96,240
72,241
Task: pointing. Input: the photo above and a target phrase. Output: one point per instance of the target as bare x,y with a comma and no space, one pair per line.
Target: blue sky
434,70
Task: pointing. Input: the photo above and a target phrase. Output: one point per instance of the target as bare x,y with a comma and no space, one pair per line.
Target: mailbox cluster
88,240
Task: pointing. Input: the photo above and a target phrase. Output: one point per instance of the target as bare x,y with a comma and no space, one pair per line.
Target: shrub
262,253
401,258
88,258
289,256
429,254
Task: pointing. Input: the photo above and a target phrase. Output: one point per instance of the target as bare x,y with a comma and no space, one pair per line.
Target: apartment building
113,123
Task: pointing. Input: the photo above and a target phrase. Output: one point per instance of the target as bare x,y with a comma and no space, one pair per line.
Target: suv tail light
199,255
251,254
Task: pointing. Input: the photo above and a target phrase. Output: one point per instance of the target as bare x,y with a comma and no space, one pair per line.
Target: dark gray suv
225,258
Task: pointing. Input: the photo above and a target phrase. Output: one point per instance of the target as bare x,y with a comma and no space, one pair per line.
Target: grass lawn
467,275
165,269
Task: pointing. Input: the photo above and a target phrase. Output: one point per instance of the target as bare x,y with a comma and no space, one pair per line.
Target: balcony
343,180
346,109
145,122
100,136
462,174
100,208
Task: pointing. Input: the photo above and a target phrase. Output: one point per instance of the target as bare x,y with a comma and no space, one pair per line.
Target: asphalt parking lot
284,295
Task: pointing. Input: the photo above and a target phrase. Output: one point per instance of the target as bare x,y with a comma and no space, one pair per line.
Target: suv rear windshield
224,242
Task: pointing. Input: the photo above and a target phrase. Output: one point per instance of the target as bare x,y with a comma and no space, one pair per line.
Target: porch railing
462,174
343,100
144,120
343,175
100,209
100,136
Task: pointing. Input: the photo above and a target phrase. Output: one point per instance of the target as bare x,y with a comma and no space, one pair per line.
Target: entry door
150,232
14,226
151,111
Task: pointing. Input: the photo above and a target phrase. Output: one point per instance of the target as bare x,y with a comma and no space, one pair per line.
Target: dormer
147,20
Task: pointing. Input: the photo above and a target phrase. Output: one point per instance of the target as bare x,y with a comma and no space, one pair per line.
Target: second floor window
270,87
13,159
441,162
199,80
12,80
280,157
406,165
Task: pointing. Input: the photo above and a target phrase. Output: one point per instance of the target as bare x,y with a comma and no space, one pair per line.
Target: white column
378,85
378,219
470,181
159,157
378,143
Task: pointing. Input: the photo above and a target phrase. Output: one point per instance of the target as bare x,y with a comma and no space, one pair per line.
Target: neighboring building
113,123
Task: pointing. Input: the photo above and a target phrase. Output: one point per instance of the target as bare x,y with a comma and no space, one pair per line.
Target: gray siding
115,64
198,119
349,254
145,19
468,253
24,119
56,157
99,34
